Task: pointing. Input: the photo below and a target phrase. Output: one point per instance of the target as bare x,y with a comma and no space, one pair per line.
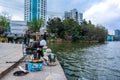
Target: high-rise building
35,9
67,14
80,17
117,34
27,10
74,14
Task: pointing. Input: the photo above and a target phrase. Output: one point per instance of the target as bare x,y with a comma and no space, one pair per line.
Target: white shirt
43,43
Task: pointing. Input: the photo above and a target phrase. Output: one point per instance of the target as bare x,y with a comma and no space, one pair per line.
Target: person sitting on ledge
51,61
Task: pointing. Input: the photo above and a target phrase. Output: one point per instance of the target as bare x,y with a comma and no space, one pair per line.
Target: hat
45,47
48,50
43,43
45,31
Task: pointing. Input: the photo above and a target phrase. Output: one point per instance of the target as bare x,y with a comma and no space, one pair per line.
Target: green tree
35,24
72,29
84,27
69,29
91,30
56,27
101,33
84,22
4,22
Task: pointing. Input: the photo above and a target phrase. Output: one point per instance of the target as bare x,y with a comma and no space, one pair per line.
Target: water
89,61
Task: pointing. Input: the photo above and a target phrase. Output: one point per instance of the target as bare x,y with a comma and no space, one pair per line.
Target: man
45,36
51,57
26,37
43,43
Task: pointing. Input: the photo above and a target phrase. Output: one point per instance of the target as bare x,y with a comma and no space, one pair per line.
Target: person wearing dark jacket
45,36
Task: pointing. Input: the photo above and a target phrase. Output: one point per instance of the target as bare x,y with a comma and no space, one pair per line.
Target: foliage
88,30
101,33
35,24
56,27
70,29
4,22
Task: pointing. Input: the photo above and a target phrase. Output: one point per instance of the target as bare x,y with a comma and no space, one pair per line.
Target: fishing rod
16,61
35,61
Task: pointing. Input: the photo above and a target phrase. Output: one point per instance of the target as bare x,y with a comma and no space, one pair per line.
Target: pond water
85,61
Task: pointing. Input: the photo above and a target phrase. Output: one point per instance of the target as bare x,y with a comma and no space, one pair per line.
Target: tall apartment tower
67,14
80,17
35,9
74,14
117,33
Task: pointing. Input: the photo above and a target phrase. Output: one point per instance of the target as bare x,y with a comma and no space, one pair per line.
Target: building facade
117,34
35,9
18,27
110,38
80,17
74,14
67,14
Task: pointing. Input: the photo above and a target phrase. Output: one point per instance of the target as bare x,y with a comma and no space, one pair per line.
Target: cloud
15,8
77,1
104,12
15,14
15,17
56,5
0,8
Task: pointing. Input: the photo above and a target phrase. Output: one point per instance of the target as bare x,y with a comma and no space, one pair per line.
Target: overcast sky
104,12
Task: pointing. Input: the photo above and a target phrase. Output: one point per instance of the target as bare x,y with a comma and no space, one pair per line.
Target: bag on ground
33,66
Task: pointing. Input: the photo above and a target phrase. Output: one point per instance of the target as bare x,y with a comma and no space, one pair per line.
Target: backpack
52,57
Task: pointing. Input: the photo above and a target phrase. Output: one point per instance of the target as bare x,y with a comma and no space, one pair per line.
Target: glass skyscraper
35,9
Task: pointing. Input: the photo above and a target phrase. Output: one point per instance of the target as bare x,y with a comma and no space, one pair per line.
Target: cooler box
33,67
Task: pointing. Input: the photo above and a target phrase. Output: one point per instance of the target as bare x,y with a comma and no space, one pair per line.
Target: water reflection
89,61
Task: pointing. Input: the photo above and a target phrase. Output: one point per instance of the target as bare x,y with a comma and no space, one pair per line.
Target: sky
103,12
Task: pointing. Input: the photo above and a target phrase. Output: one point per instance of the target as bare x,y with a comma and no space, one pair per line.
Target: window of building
38,5
38,1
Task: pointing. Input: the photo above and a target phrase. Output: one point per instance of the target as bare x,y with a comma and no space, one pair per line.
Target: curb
2,74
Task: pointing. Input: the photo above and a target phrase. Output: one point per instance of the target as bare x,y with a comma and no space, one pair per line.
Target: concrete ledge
13,52
2,74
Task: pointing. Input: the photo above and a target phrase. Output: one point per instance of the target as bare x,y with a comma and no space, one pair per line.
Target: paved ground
48,72
9,52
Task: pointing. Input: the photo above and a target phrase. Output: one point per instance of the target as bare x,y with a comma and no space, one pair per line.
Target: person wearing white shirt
43,43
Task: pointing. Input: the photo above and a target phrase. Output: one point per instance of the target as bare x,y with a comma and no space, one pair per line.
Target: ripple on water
95,62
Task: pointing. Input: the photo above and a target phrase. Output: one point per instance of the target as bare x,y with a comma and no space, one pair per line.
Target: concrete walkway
48,73
9,52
